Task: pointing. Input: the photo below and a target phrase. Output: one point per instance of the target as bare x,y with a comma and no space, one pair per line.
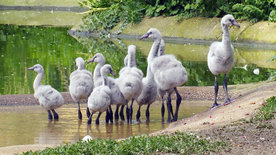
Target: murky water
30,125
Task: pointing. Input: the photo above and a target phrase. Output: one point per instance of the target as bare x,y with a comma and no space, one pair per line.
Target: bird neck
226,40
161,50
149,73
80,67
131,60
97,71
37,80
104,78
154,49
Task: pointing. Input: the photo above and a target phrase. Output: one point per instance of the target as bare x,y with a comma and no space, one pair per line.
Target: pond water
25,46
29,125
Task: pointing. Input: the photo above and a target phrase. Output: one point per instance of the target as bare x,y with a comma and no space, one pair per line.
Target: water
29,125
53,48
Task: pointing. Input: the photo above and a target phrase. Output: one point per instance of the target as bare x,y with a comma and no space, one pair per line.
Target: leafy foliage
179,143
105,14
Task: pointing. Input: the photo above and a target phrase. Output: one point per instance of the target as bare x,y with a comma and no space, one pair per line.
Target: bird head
152,33
229,20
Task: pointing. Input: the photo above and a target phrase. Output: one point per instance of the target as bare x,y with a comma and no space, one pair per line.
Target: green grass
179,143
267,112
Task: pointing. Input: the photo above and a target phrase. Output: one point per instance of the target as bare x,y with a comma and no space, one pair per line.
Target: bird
168,71
100,98
116,97
220,58
130,81
47,96
81,84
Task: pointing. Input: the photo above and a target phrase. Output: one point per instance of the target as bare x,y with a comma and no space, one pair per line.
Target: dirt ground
222,123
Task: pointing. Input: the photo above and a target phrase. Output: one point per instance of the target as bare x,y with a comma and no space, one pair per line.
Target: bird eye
150,33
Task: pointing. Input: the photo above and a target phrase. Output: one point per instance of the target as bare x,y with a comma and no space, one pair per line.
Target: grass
179,143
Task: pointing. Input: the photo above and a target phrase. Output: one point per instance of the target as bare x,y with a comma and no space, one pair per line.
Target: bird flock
164,74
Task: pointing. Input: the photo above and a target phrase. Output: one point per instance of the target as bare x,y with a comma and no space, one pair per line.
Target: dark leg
90,118
117,113
216,93
49,115
107,116
55,114
227,99
110,114
178,101
122,113
169,107
127,113
87,112
98,118
131,111
79,111
163,109
147,112
138,114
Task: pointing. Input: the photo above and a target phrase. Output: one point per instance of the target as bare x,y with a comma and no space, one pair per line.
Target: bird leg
163,109
227,99
169,107
138,114
79,111
122,113
178,101
110,114
90,118
87,112
131,111
147,112
98,118
49,115
107,116
116,114
55,114
216,93
127,113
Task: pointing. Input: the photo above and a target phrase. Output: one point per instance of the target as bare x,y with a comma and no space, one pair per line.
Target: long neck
80,67
154,49
226,40
149,73
37,80
97,71
104,78
131,59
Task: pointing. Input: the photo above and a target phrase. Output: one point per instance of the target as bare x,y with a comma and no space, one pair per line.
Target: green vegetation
268,111
179,143
106,14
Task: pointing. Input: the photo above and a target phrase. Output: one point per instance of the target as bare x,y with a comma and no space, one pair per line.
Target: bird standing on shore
221,56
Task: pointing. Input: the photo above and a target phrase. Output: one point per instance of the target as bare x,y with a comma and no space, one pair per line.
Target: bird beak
144,36
236,24
91,60
113,73
31,68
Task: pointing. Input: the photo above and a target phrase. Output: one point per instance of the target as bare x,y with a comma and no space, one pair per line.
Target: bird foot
214,106
228,101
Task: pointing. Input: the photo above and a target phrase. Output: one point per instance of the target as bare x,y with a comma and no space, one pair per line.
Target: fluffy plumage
81,83
48,97
221,55
100,98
